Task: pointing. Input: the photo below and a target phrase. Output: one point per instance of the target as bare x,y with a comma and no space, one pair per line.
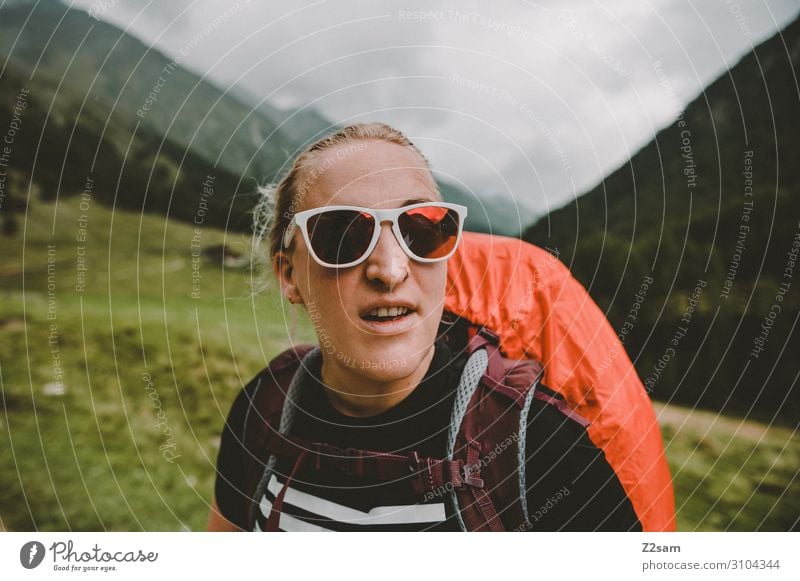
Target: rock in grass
54,388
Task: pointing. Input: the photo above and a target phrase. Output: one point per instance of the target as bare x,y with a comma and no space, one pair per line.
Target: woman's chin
383,364
386,367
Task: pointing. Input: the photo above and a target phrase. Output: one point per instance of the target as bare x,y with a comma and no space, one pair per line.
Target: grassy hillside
731,473
95,454
111,418
691,247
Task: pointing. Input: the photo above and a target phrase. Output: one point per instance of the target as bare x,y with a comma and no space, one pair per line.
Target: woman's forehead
368,173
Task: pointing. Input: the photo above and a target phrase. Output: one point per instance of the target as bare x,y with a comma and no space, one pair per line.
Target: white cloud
516,98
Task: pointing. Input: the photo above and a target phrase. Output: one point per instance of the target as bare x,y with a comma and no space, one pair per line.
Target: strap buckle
470,473
489,335
422,476
350,461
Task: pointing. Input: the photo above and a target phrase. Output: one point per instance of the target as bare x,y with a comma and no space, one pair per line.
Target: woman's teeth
383,312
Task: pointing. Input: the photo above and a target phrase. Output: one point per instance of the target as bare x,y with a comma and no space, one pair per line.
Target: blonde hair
279,202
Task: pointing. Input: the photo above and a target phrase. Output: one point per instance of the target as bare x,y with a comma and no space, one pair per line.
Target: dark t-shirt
570,484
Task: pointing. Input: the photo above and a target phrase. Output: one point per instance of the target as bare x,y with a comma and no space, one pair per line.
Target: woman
360,237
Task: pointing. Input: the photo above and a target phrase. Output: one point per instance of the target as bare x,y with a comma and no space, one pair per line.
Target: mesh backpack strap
521,455
470,378
288,413
485,423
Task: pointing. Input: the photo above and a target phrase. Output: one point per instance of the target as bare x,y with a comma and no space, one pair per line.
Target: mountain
691,246
103,108
302,125
306,125
484,214
55,153
122,97
128,83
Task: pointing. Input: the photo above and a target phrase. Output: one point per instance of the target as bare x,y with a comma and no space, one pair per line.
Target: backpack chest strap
424,474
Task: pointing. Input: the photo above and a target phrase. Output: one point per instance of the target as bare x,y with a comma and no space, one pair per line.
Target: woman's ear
284,271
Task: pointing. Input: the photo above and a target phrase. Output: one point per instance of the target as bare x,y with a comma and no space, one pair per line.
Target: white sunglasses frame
300,220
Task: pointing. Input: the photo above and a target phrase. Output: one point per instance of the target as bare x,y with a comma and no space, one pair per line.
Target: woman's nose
388,263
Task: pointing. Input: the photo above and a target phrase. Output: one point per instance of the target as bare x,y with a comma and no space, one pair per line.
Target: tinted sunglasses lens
340,236
430,231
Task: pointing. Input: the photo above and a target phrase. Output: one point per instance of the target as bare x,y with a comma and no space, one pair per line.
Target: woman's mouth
386,314
389,319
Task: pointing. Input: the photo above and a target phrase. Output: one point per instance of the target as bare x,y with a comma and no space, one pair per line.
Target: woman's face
373,174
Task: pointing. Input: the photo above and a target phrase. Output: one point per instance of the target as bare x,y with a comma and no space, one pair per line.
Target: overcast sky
531,101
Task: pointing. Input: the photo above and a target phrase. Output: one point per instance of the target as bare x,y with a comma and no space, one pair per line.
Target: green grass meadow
114,394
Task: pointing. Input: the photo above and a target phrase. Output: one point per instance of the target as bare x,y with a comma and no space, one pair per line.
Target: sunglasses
343,236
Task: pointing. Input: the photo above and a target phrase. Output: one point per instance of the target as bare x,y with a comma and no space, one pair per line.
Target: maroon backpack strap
265,410
490,341
273,520
561,405
425,475
480,514
473,506
485,431
494,425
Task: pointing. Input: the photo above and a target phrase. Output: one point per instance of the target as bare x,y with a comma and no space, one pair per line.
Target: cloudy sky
527,101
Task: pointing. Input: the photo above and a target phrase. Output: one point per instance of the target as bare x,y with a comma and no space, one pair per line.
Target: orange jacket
541,312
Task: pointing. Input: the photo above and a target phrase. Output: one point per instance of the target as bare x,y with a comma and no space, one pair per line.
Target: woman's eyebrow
417,201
